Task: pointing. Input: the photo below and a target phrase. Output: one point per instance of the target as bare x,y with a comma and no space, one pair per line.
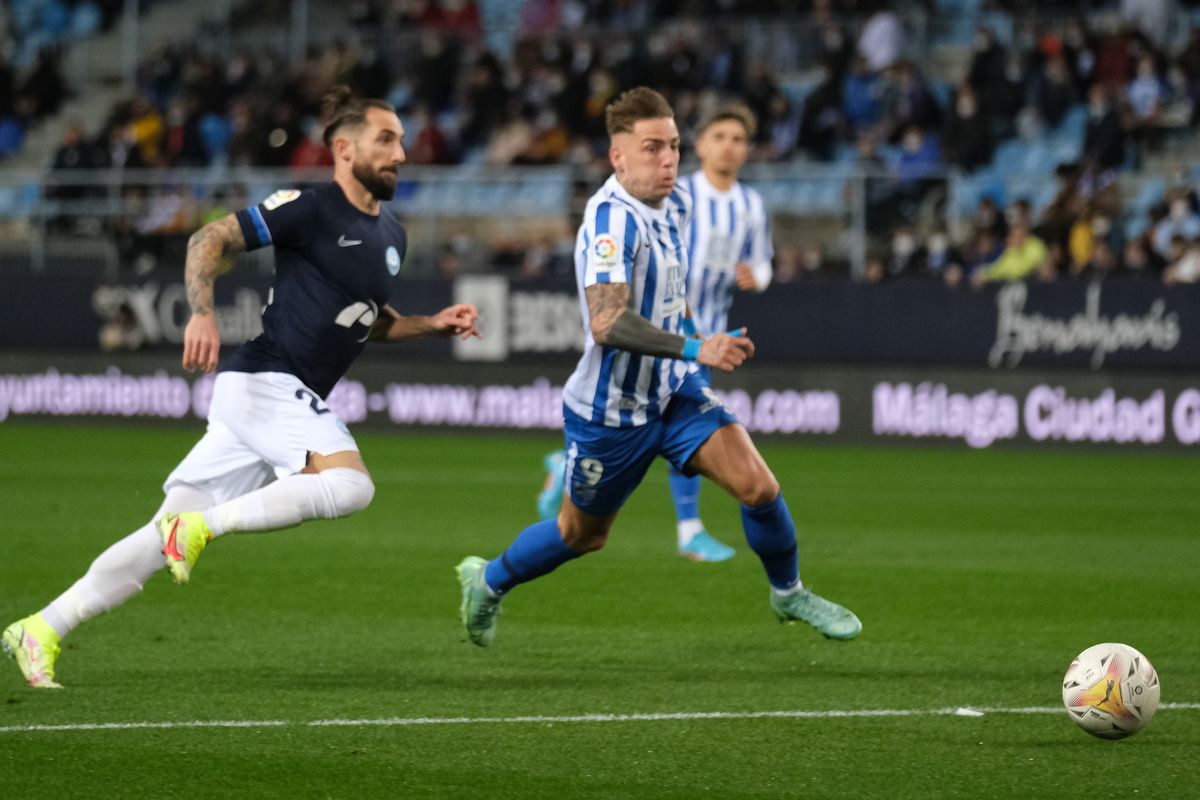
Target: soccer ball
1111,690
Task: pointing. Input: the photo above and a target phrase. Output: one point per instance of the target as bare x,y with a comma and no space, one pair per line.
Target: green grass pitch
978,576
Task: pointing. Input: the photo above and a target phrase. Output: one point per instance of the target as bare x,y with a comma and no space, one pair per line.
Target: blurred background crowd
963,140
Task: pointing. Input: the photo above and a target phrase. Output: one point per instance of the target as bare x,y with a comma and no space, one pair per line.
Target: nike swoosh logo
344,242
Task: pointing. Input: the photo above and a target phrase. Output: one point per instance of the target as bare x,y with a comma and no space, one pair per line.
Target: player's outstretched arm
455,320
206,253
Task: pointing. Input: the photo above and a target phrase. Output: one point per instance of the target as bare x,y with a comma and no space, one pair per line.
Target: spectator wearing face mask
1181,220
1185,267
942,259
1104,137
967,138
906,255
1054,91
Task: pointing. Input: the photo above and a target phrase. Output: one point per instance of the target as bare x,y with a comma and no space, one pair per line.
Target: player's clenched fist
457,320
725,352
201,343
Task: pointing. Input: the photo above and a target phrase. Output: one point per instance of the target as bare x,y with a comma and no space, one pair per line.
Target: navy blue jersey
334,266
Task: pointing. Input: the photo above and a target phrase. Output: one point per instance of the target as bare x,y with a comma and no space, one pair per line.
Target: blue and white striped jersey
725,228
622,240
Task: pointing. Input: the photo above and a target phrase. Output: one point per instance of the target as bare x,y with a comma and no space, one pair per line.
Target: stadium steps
93,70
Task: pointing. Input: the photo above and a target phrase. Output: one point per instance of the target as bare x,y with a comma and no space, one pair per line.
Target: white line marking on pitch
397,722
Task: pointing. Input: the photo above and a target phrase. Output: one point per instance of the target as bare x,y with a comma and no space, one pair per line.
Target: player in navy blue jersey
274,454
636,393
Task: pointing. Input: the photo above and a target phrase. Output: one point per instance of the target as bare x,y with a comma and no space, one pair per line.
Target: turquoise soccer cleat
831,619
550,498
703,547
479,607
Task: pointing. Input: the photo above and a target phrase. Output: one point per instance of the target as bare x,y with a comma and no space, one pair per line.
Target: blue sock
685,492
537,550
771,533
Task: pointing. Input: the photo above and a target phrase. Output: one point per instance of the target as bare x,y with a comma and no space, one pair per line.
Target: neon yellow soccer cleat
34,646
184,536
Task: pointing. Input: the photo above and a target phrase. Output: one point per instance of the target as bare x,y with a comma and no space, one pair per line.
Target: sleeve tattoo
614,325
206,250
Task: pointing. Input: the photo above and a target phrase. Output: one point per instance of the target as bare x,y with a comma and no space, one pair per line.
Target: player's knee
349,489
582,537
759,489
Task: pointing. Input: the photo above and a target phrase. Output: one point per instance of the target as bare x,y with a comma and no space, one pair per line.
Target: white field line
400,722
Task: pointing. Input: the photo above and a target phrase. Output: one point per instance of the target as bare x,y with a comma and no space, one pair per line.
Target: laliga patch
279,198
605,255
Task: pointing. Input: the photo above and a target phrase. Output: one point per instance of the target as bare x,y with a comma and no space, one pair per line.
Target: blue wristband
691,349
688,326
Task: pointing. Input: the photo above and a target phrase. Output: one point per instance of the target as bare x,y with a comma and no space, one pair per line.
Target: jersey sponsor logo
279,198
719,254
712,400
675,294
364,313
605,254
393,260
344,242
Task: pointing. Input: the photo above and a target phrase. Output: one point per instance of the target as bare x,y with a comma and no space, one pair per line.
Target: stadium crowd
826,88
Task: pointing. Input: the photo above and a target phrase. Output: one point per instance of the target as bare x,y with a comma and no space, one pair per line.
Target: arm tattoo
614,325
206,250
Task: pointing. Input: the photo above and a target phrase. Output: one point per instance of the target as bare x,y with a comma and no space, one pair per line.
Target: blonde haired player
636,394
729,249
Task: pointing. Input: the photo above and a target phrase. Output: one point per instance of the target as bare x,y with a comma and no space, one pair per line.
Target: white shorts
261,426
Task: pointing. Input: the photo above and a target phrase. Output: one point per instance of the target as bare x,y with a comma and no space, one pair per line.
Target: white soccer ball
1111,690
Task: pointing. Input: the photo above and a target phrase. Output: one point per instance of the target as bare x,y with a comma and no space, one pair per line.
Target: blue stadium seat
1008,156
1152,191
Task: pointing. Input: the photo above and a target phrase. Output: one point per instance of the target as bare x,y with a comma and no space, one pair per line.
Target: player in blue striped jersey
636,393
729,249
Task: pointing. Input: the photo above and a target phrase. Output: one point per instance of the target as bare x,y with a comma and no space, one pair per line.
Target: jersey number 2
314,402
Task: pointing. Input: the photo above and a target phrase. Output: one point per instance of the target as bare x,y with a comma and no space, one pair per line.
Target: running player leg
329,487
694,540
729,458
323,475
604,465
538,550
116,575
550,498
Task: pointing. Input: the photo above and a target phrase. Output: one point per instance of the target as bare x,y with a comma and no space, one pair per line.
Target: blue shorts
605,465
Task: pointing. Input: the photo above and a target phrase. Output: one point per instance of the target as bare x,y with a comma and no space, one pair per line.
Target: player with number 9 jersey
636,394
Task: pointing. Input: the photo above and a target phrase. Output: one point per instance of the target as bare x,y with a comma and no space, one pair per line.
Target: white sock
289,501
687,528
795,587
120,571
